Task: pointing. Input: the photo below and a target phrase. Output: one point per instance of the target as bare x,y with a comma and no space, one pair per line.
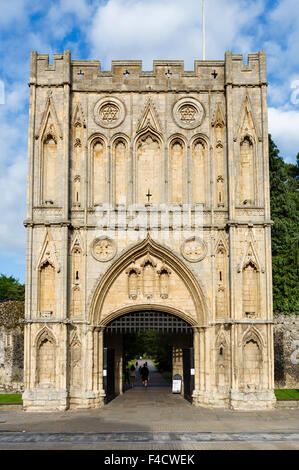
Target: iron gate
188,372
148,320
108,374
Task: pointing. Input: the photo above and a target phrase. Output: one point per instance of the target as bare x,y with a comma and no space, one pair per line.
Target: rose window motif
103,249
109,113
194,249
188,113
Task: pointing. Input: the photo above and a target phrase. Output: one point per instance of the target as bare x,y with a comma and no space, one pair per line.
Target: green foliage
284,213
11,289
151,344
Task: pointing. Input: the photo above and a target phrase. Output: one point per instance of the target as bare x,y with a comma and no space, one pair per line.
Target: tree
156,344
11,289
284,213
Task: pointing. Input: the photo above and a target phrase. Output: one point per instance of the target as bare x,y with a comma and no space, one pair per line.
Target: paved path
155,379
150,418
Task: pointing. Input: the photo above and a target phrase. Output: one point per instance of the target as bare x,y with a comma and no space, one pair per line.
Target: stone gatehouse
148,191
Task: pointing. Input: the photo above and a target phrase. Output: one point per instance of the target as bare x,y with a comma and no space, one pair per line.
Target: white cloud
12,11
170,29
13,205
13,169
283,126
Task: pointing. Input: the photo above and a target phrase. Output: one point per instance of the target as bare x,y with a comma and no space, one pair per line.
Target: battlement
128,74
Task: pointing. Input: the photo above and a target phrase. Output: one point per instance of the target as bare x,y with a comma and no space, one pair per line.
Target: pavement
151,418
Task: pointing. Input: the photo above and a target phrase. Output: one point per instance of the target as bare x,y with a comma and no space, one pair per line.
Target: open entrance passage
157,341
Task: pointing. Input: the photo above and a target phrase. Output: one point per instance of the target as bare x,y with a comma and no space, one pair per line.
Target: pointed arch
78,115
222,359
149,118
246,110
248,135
252,351
48,252
49,111
76,272
221,338
47,285
247,181
252,333
48,144
164,280
133,273
77,241
149,166
220,173
251,271
250,255
121,169
78,126
199,168
75,361
45,344
218,123
98,169
149,247
76,199
44,332
221,274
177,170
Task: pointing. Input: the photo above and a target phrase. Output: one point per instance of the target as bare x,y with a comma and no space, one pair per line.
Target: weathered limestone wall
286,355
286,351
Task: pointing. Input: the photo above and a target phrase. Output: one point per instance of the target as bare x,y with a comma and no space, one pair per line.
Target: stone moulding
151,247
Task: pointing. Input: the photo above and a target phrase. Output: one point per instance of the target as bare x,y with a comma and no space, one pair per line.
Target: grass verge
287,393
11,398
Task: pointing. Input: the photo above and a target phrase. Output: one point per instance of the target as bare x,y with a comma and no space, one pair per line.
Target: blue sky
133,29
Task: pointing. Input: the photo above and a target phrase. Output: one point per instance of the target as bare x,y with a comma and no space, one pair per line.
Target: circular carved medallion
103,249
109,112
194,249
188,113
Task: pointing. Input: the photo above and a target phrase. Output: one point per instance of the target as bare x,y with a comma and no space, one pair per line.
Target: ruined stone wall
286,351
11,346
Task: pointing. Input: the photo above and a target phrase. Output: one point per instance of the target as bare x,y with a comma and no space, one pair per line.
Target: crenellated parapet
87,75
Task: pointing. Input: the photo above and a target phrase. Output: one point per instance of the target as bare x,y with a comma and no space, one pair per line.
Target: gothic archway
111,296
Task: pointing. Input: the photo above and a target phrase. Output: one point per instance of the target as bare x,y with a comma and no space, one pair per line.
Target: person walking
132,375
144,375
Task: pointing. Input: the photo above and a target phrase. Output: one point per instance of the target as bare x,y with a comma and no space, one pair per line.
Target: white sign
176,386
105,373
192,371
